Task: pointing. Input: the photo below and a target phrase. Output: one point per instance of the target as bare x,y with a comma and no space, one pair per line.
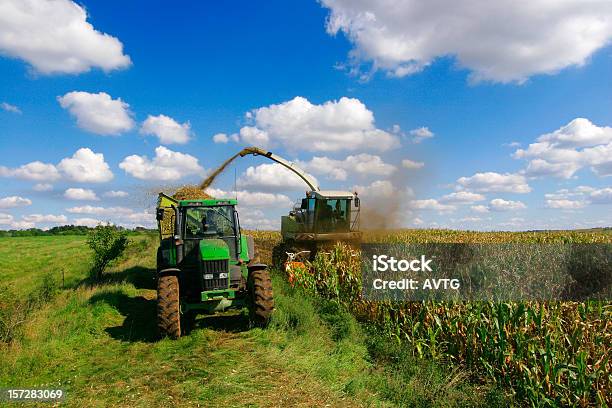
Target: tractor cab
199,221
201,242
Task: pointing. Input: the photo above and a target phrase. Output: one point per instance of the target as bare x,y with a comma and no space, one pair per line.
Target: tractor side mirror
159,215
356,202
304,205
237,232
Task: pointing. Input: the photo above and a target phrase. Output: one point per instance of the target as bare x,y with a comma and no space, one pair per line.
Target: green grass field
99,344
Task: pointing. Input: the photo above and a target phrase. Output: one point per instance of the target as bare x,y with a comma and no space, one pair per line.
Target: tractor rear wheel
168,307
261,297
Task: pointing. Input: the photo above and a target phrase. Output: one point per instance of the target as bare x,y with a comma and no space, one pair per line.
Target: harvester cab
206,265
323,216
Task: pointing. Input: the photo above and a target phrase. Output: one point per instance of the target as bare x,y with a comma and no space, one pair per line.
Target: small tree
107,243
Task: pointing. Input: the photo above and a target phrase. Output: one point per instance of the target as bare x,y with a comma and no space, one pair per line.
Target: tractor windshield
209,222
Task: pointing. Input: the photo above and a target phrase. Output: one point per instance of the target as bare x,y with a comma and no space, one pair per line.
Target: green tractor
205,265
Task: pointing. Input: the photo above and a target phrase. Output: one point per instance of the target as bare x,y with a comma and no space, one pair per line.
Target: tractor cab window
333,215
209,222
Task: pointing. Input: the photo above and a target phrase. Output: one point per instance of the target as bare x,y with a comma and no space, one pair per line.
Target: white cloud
270,177
22,225
166,129
85,166
6,219
14,201
10,108
563,152
579,132
602,196
579,197
542,168
87,222
565,204
55,37
377,189
345,124
469,219
462,197
495,182
421,134
98,113
264,200
115,194
220,138
499,204
413,165
167,165
431,204
253,199
363,164
515,222
255,219
564,194
501,41
124,216
142,218
43,187
49,218
254,136
80,194
584,189
35,171
481,209
102,211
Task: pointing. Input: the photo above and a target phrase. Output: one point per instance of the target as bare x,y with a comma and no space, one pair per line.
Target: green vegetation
546,353
24,260
98,342
107,244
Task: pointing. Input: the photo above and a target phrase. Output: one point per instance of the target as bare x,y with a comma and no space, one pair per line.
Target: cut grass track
99,344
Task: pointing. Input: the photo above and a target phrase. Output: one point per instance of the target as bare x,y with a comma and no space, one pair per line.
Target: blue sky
478,97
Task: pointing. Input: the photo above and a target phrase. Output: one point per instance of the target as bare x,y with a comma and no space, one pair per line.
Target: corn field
545,353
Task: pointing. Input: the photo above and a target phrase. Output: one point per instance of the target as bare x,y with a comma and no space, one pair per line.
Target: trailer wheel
261,297
168,307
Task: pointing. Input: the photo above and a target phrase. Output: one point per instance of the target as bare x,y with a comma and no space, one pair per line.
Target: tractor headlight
223,276
208,276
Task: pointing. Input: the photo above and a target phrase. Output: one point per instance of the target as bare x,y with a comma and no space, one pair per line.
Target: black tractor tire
168,307
188,322
261,298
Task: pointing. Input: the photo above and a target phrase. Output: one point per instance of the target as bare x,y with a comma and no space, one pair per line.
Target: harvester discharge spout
256,151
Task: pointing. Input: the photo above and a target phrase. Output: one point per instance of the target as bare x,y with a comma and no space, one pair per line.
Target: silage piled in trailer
190,192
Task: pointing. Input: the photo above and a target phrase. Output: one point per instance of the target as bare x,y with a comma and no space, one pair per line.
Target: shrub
107,243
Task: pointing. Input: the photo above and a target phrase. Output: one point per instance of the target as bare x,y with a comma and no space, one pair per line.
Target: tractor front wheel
261,297
168,307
